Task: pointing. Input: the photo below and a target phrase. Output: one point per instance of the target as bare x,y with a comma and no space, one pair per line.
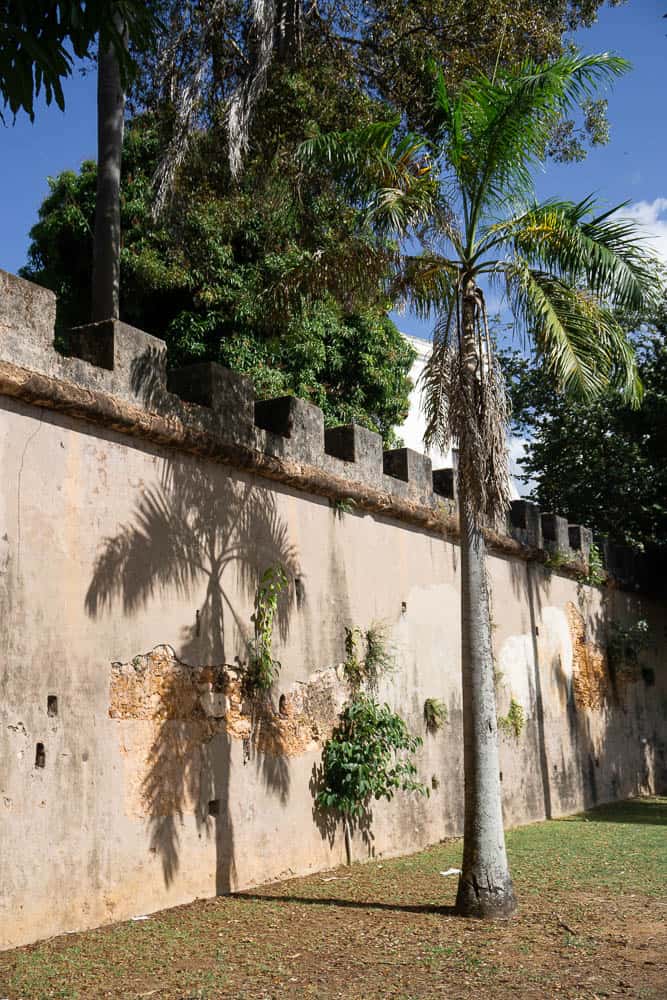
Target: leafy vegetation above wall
600,463
213,278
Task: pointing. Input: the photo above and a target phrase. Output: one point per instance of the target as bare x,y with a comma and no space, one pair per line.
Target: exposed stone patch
168,713
160,688
590,679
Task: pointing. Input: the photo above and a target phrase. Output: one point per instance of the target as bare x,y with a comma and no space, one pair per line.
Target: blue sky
633,166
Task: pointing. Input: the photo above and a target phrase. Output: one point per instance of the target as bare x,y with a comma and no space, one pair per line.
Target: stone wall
138,511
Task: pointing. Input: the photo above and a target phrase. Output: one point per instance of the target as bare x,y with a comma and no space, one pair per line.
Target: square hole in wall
40,755
648,676
52,704
214,807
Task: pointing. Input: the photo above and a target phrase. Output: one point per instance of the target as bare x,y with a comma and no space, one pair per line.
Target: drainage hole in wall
52,704
648,676
214,807
40,755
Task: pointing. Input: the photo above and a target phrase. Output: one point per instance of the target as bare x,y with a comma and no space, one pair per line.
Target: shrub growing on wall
369,756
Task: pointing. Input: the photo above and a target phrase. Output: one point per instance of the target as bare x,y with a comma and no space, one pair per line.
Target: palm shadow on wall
195,532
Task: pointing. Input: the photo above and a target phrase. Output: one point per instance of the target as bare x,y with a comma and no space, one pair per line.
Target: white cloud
651,216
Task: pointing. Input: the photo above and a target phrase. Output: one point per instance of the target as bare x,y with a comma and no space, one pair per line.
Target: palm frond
632,276
354,272
604,254
435,380
244,100
497,129
472,408
185,91
463,398
426,282
387,174
581,342
441,231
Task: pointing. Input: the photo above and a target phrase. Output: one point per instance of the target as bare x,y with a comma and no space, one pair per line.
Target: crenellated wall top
117,376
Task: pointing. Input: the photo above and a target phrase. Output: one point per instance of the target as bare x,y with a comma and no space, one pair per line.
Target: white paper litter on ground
452,871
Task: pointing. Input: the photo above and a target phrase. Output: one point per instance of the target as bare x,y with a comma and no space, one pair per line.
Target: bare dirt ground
592,923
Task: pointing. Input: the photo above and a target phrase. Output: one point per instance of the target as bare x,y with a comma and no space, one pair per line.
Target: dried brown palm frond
276,33
186,107
465,400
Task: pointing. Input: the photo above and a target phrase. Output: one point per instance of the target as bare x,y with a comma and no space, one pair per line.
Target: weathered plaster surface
168,712
138,511
127,578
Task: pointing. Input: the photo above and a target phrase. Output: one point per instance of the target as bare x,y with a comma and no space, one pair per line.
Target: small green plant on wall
513,723
435,714
343,505
262,667
557,560
369,756
378,658
596,574
625,646
353,667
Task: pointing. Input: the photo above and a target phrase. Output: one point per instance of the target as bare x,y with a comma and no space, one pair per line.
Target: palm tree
110,126
124,20
565,267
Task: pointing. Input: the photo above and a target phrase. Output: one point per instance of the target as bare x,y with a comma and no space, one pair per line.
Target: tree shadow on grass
187,534
347,904
640,812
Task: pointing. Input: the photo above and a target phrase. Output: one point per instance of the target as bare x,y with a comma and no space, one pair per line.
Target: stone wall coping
116,377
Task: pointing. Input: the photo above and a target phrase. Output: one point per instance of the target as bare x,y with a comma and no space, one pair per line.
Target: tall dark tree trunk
485,885
289,30
106,244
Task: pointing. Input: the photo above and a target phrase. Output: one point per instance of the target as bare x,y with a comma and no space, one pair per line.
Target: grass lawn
592,923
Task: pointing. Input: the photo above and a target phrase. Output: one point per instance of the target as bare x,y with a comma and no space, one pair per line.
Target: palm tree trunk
485,885
106,243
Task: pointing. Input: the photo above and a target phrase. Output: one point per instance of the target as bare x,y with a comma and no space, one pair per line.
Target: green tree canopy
217,56
257,272
211,278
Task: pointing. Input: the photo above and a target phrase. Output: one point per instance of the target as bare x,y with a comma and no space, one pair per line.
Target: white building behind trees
412,431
